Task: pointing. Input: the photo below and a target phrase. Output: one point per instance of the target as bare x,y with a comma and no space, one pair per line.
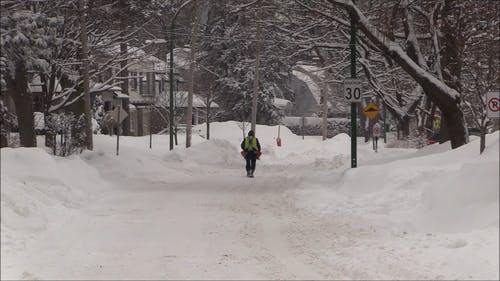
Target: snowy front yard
191,213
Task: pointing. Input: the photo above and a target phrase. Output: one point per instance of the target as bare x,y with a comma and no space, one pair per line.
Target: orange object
278,140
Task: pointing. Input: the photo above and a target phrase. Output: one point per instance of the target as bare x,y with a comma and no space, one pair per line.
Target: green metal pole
171,78
352,44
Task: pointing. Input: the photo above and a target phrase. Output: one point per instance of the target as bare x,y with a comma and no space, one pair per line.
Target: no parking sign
493,104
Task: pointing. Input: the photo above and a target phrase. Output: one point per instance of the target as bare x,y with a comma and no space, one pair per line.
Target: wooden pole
189,112
85,69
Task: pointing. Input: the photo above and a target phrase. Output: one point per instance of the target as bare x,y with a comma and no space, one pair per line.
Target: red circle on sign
494,104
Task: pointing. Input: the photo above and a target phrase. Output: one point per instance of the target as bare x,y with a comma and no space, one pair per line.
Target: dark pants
251,159
375,143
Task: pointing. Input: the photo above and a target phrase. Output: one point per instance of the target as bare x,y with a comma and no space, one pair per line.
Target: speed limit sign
352,89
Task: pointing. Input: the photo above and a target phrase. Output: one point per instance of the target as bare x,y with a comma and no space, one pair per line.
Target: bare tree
444,96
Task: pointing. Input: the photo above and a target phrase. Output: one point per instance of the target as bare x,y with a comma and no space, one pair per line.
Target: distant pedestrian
251,149
376,130
436,128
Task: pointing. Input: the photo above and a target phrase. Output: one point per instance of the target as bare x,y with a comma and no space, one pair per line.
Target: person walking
376,134
251,148
436,128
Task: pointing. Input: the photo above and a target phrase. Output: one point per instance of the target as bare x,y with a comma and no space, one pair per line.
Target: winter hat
250,133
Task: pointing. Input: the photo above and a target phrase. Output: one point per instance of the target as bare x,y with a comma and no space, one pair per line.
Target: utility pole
124,72
192,47
325,107
171,88
189,111
85,70
171,74
256,81
352,45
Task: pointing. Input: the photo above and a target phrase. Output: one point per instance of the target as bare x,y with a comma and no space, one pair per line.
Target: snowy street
191,214
249,140
238,227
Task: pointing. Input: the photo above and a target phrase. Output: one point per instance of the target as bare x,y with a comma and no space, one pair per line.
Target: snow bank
36,186
212,152
451,190
435,209
333,152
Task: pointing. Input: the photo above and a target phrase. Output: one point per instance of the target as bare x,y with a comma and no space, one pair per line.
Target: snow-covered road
238,228
306,215
222,226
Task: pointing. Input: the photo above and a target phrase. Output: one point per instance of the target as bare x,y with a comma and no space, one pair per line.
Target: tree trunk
404,126
451,64
482,143
4,133
453,129
17,88
48,89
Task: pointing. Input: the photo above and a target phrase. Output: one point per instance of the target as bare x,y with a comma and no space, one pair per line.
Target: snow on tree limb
395,51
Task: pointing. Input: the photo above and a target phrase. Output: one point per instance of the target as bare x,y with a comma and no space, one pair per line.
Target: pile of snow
37,186
294,149
215,152
434,189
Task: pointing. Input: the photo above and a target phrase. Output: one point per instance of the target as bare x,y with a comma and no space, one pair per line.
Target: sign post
385,126
117,116
118,127
352,92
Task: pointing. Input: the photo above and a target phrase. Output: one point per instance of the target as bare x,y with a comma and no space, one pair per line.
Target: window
133,84
107,106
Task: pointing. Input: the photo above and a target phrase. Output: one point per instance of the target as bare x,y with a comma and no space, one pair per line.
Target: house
111,96
148,88
35,86
199,107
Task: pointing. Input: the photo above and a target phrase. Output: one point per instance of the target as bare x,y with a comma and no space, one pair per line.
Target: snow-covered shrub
39,121
7,122
68,131
97,114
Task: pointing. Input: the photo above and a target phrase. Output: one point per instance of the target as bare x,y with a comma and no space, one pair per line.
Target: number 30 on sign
352,89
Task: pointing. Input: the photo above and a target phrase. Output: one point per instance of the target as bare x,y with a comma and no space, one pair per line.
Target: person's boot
248,173
251,173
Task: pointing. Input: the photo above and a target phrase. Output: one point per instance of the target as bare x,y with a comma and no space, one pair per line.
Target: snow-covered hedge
312,126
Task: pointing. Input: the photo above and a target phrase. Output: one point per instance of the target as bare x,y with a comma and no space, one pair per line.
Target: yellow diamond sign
371,110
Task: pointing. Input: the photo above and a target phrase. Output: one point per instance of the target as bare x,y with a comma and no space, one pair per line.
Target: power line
241,38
